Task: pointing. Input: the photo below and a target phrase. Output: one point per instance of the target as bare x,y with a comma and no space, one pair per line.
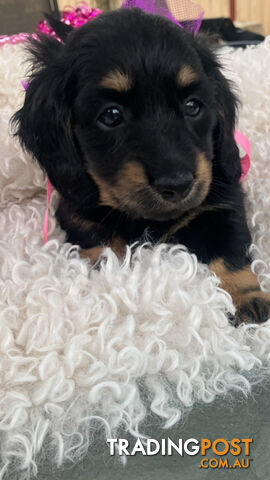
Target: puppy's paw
253,309
93,254
252,305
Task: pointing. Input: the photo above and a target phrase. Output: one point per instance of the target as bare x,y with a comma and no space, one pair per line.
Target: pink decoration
190,14
75,17
14,39
243,141
24,84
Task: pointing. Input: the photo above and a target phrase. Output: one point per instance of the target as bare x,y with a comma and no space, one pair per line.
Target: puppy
133,122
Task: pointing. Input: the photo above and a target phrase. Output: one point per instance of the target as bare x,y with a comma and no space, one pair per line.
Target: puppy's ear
226,162
61,29
227,158
44,124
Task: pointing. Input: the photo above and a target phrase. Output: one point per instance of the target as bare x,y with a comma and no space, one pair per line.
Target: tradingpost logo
238,448
213,453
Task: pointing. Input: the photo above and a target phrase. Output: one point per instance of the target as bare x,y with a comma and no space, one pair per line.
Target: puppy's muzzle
174,189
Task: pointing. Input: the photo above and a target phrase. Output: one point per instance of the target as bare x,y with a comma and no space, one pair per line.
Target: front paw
93,254
253,309
252,305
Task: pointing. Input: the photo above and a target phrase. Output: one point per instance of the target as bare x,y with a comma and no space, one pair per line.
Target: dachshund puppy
133,122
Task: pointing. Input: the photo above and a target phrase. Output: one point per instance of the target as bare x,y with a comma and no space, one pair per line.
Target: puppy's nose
173,189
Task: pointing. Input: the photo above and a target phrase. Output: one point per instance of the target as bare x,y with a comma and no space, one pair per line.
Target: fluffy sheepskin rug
82,349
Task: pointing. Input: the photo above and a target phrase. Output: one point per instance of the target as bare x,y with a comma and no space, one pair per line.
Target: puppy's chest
203,234
190,229
206,234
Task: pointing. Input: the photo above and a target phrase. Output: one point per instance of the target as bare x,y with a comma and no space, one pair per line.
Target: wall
245,10
215,8
21,15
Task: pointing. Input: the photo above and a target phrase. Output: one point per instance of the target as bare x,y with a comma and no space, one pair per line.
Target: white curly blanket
82,349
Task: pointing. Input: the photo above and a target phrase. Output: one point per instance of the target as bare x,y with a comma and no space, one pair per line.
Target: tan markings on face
117,80
186,76
117,245
203,175
203,178
128,181
106,196
244,289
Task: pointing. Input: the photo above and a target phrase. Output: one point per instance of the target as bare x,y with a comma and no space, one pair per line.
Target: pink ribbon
243,141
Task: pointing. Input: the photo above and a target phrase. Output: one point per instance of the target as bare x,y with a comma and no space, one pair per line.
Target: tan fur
186,76
106,195
116,80
124,191
117,244
242,285
129,178
203,174
91,254
235,282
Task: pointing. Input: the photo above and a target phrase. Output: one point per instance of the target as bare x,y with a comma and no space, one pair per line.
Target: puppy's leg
251,303
91,236
117,245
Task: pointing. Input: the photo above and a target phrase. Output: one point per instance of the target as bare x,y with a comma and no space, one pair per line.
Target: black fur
58,125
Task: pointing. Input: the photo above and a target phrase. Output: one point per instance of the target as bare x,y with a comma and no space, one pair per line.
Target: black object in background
226,31
23,15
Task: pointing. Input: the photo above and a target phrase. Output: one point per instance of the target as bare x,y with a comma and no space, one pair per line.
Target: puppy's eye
111,117
192,108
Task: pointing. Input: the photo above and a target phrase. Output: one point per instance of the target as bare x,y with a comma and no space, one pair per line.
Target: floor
227,418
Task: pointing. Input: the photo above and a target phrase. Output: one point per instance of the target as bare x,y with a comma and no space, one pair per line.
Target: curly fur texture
82,349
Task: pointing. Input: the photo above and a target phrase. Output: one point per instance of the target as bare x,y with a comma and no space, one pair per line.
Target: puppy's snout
173,189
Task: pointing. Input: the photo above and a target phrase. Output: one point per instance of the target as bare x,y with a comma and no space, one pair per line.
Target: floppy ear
61,29
227,159
226,162
44,124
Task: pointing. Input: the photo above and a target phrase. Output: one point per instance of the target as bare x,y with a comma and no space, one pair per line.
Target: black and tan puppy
133,122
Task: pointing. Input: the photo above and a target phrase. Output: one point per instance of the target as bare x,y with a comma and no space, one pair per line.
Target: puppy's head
131,112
